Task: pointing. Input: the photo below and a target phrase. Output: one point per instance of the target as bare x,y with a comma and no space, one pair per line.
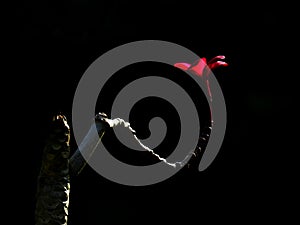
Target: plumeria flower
201,68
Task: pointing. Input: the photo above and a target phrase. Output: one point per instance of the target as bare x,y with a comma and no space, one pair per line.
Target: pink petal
217,64
216,58
183,66
198,67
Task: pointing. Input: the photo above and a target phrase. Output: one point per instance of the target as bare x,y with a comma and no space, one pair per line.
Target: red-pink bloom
200,66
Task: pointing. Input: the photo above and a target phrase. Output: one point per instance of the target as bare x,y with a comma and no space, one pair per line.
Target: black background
52,43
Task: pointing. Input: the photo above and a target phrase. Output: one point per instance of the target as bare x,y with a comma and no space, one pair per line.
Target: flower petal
217,64
198,67
214,59
183,66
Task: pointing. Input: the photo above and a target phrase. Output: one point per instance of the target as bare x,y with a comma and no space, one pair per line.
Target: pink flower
200,66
